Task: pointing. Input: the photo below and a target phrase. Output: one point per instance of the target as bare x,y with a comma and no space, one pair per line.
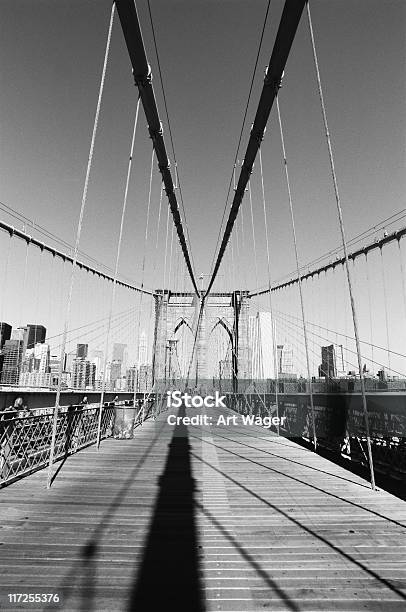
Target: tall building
36,359
145,378
115,372
118,352
12,357
41,355
54,364
261,346
81,351
36,333
68,361
328,367
142,349
5,333
132,379
97,358
285,359
83,374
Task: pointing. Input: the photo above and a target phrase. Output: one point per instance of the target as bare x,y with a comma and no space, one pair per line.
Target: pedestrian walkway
202,518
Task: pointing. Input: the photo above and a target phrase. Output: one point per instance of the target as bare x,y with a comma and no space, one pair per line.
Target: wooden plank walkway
202,518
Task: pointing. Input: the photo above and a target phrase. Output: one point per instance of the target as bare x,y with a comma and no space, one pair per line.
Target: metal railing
26,440
340,426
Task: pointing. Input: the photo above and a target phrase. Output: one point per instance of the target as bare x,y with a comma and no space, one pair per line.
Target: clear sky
50,64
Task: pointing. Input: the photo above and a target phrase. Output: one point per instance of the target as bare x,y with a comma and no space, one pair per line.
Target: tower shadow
168,576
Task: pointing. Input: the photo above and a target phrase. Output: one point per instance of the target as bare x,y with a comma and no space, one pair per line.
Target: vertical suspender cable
113,289
385,301
155,261
299,280
370,309
25,281
143,264
268,260
164,308
76,249
344,243
254,244
402,272
4,286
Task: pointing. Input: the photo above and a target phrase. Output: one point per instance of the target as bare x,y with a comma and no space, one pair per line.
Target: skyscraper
118,352
12,357
36,333
328,362
115,372
97,359
5,333
132,379
81,351
83,374
285,359
145,378
261,343
142,349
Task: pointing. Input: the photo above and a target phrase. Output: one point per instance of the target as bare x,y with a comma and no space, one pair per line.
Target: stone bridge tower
173,310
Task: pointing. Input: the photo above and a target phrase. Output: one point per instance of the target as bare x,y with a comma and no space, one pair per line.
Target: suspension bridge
175,439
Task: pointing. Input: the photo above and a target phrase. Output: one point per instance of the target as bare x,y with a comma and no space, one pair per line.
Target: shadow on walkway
168,578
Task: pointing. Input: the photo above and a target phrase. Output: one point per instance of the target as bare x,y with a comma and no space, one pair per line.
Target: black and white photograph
203,305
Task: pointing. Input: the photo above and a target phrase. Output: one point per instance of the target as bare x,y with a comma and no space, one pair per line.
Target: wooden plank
267,525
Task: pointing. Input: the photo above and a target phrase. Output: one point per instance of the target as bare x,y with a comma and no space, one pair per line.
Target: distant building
261,345
54,365
328,368
83,374
81,351
142,349
285,359
145,378
119,351
132,379
120,384
5,333
115,372
12,353
36,334
37,379
68,361
21,333
97,359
